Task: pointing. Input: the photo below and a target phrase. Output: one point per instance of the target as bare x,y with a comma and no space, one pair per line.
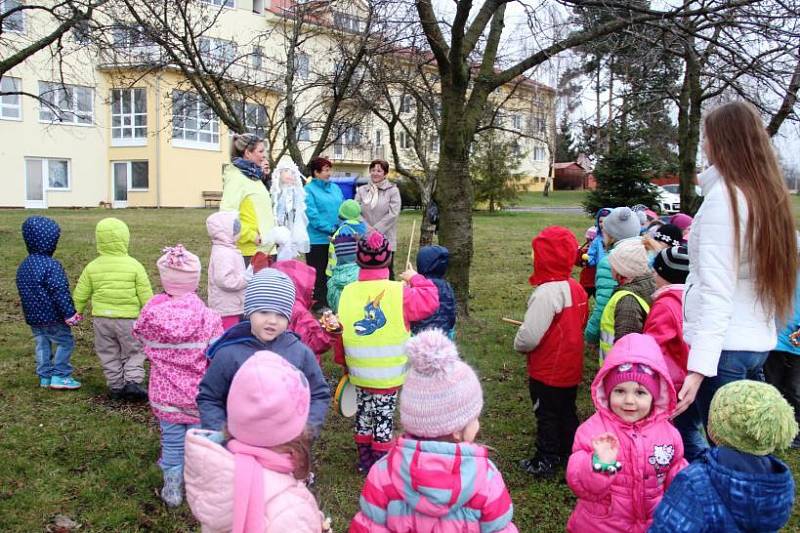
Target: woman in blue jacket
323,199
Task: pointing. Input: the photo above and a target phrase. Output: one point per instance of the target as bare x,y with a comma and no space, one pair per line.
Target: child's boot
364,449
172,492
379,449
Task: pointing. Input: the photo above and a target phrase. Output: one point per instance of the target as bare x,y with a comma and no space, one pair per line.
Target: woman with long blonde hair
743,257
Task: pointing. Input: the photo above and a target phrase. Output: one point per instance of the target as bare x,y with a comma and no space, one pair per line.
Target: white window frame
516,121
5,107
211,126
405,103
229,4
129,164
20,14
257,58
57,114
537,150
251,110
46,172
133,140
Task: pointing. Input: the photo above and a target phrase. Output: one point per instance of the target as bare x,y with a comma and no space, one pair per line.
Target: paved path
564,209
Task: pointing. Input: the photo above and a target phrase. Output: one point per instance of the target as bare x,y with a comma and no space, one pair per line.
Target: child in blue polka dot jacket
47,304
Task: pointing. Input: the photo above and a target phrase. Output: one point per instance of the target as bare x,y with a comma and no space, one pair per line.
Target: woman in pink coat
226,272
254,483
626,454
175,328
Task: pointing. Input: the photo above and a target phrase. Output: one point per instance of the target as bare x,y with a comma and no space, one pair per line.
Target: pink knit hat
441,394
268,401
638,372
682,220
179,270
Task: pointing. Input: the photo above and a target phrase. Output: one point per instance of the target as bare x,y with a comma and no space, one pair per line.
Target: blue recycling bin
347,185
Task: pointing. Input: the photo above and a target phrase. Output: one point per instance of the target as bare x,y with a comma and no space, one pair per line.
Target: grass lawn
75,453
556,199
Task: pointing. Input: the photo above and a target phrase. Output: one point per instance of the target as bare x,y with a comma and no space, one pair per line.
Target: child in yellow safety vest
628,307
375,314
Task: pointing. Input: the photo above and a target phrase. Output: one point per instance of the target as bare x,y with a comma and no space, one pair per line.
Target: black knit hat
672,264
373,251
669,234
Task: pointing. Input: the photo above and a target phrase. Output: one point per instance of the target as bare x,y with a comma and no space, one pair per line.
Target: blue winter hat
269,290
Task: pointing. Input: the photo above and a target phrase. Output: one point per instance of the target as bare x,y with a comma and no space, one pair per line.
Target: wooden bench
212,198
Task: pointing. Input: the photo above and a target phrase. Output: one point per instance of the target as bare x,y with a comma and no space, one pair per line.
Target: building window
378,140
217,51
539,124
539,153
346,22
16,21
351,135
405,104
304,131
194,124
516,121
66,104
82,32
128,117
255,119
221,3
257,57
404,139
54,173
301,65
10,108
137,173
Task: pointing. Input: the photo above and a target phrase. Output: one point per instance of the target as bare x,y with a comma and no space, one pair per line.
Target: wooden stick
411,242
511,321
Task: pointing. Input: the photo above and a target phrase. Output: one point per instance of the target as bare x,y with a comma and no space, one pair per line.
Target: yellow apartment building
120,135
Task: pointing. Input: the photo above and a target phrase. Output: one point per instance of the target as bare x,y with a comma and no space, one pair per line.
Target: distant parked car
668,202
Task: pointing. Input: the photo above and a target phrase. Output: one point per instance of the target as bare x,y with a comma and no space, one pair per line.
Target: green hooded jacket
115,282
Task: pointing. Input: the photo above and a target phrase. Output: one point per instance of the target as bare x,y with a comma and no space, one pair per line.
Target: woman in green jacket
243,192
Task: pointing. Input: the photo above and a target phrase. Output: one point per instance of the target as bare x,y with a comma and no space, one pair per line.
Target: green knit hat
751,417
349,210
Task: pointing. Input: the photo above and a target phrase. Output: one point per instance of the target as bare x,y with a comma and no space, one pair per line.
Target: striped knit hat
373,251
345,244
441,394
269,290
672,264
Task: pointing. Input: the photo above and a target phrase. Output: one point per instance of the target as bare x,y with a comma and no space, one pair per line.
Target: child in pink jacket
436,478
226,271
302,321
626,454
175,328
254,482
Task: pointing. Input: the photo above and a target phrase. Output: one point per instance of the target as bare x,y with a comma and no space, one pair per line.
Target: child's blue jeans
45,336
173,437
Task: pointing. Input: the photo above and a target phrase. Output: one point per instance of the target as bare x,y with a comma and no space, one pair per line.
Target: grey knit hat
269,290
621,223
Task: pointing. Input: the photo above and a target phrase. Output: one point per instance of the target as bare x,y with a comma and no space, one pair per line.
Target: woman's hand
606,447
688,392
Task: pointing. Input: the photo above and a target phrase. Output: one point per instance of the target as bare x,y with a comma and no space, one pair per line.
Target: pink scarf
248,483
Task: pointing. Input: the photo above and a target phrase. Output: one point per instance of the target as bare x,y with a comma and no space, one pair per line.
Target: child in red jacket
665,325
552,337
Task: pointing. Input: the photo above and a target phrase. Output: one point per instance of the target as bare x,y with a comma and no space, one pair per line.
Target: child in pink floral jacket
625,455
175,328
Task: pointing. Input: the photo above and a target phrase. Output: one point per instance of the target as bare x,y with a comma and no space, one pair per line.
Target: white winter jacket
720,308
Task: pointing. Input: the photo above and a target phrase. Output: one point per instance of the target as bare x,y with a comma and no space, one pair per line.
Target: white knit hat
629,258
441,394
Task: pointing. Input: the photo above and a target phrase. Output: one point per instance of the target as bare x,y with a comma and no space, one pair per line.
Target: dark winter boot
379,449
134,392
364,458
541,466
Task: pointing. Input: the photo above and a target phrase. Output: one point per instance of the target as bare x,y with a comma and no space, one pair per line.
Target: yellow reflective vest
607,320
375,334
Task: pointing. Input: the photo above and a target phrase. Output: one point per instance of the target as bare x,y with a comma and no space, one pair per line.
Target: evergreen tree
565,150
494,170
623,178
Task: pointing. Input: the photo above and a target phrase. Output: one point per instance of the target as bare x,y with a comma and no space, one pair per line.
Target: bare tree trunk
689,118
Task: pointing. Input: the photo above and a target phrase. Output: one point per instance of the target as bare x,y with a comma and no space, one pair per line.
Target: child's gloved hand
606,447
74,319
794,338
408,274
330,322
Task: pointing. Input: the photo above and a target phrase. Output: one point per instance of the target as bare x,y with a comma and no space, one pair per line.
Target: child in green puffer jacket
118,288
